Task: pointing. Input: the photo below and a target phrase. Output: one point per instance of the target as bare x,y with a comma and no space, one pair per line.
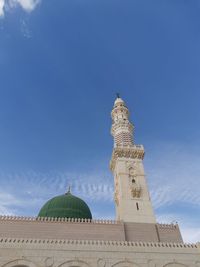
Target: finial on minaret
69,190
118,95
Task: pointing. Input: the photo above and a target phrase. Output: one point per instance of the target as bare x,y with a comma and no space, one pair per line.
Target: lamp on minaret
132,197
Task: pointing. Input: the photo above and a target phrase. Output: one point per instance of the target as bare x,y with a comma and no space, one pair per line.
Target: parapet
51,219
86,229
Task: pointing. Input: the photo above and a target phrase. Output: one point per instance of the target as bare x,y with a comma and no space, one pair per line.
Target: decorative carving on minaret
136,190
130,165
116,197
116,194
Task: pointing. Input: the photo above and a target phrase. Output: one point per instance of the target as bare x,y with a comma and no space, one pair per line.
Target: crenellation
60,220
167,226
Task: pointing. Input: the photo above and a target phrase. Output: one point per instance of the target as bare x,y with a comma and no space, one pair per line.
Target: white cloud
2,4
191,235
6,202
173,174
27,5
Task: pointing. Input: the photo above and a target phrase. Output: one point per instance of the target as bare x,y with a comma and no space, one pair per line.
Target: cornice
97,242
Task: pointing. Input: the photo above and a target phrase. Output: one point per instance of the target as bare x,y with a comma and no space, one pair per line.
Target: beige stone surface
35,228
17,227
70,253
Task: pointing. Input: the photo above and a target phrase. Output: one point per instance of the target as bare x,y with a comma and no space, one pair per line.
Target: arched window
174,264
74,263
125,264
20,263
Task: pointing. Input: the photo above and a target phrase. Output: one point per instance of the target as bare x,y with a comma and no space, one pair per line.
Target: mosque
65,235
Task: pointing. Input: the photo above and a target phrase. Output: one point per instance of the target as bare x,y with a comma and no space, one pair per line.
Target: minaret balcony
133,152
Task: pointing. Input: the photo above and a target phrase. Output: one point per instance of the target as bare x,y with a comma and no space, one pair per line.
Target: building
64,234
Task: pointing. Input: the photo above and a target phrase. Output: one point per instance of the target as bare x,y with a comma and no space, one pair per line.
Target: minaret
132,197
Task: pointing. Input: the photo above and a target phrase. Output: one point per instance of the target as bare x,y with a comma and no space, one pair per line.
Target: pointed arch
74,263
175,264
125,264
21,263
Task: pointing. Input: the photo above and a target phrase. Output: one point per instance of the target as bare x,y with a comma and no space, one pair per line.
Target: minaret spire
118,95
122,129
68,190
132,198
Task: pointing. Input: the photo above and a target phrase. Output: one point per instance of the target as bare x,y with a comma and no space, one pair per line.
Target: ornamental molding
49,262
101,262
98,243
76,262
122,125
131,152
116,197
125,263
136,191
130,166
117,109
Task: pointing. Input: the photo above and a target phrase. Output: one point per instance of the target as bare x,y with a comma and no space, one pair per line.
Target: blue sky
61,63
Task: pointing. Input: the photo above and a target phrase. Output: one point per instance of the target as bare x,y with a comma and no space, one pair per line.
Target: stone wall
83,253
169,233
27,227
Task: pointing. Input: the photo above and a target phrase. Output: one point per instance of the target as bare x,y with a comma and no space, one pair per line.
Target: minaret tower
132,197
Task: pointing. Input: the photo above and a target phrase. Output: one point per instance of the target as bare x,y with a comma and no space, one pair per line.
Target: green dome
66,206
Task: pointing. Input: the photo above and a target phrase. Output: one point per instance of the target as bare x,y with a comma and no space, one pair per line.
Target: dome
66,206
118,101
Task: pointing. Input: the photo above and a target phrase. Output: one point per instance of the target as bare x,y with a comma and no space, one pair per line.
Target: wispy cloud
25,28
191,234
174,175
173,172
32,189
27,5
6,203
